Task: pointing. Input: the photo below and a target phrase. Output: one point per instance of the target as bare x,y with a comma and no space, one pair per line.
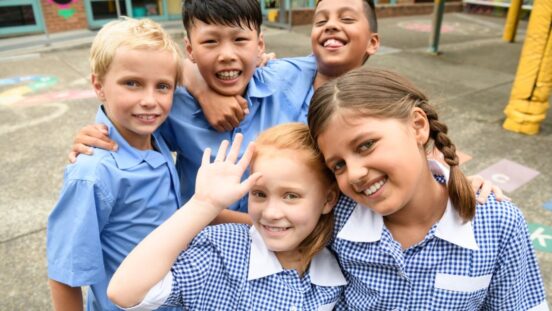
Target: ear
420,124
373,44
189,50
98,87
331,199
262,46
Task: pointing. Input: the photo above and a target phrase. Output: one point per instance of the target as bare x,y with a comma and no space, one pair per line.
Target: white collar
324,269
364,225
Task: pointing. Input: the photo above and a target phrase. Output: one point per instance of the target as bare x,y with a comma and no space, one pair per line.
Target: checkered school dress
485,264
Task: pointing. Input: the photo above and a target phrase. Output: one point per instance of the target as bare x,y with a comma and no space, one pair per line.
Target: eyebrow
339,11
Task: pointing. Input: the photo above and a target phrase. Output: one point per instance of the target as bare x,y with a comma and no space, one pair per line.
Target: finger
243,103
102,128
484,192
235,149
227,127
222,151
218,127
247,156
72,157
82,149
238,113
233,120
499,194
104,143
206,159
249,182
476,182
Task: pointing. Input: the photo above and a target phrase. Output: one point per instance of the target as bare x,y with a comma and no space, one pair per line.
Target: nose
356,172
273,210
331,25
227,53
149,98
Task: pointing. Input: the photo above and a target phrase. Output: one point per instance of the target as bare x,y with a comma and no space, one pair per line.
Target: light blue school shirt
277,93
484,264
229,267
109,202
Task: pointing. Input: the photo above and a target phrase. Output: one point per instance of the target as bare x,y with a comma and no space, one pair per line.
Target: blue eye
164,87
131,83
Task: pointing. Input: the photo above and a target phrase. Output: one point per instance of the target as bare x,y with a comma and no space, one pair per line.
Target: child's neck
411,224
291,260
324,75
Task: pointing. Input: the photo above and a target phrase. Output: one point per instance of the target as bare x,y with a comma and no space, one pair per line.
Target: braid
460,191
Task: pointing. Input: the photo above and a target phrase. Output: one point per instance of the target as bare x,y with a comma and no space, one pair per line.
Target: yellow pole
529,98
512,20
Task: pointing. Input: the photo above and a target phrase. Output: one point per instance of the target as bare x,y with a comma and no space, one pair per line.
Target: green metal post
438,12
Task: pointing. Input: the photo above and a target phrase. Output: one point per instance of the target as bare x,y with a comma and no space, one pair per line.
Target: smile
228,75
333,43
375,187
275,229
146,117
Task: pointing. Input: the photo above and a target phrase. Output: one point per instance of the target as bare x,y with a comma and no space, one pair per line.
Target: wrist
205,205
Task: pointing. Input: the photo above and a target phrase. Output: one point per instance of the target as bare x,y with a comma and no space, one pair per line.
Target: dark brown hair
296,136
369,11
384,94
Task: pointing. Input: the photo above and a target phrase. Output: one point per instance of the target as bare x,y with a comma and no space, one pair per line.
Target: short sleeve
74,248
192,270
516,282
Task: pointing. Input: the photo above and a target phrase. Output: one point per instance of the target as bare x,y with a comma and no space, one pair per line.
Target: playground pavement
45,97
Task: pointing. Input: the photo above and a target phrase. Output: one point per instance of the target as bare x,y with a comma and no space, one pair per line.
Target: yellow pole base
523,128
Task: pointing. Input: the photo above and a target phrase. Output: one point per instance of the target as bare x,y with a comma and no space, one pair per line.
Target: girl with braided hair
409,233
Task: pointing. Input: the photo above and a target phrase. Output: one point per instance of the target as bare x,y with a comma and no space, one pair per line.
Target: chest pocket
458,292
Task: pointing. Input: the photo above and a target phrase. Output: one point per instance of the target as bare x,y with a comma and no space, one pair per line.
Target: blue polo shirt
109,202
277,93
229,267
487,263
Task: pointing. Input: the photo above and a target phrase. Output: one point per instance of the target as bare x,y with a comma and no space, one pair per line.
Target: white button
293,308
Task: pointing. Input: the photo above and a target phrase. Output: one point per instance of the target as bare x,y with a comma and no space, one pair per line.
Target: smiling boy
112,200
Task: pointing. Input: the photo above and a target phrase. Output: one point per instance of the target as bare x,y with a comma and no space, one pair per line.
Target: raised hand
219,183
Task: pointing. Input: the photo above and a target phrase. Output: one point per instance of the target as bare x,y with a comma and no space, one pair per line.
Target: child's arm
223,113
152,259
65,297
95,135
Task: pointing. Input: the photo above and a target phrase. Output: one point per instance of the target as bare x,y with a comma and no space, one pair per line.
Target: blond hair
134,34
384,94
296,136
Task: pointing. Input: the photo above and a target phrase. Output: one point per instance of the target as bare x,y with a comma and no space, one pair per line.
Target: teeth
375,187
275,229
147,117
228,75
333,43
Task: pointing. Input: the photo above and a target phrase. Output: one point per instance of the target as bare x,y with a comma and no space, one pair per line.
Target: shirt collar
127,156
364,225
323,271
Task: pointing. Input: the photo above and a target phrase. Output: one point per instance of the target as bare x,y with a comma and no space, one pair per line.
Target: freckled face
286,202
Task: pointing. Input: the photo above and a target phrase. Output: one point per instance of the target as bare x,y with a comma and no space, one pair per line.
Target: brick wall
404,8
56,22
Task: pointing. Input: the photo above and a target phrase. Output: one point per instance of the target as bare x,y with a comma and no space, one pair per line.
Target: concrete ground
470,82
